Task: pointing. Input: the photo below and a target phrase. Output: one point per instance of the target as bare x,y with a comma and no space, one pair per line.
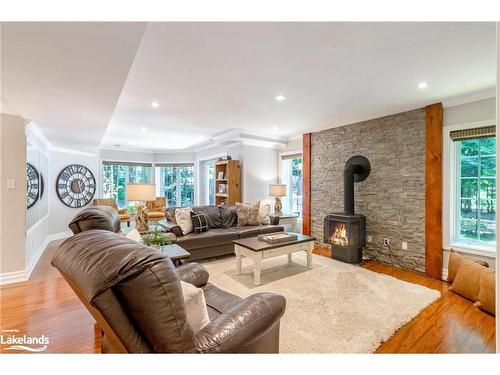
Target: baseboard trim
13,277
22,276
444,274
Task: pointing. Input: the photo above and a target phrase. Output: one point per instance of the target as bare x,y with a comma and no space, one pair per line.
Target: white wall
13,165
453,117
60,214
259,169
470,112
123,155
292,145
38,216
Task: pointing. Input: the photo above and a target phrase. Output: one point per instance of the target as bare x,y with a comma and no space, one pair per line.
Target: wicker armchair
124,216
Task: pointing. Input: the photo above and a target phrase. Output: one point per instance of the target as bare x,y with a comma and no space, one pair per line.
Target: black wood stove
346,231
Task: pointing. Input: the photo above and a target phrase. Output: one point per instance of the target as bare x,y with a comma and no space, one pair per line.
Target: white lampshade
141,192
277,190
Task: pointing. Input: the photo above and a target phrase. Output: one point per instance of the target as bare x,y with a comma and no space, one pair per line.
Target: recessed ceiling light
130,142
422,85
280,98
144,129
275,128
155,104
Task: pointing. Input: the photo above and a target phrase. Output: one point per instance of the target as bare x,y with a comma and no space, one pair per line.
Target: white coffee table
258,250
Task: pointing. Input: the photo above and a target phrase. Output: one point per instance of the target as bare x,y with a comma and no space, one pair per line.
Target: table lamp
277,190
141,193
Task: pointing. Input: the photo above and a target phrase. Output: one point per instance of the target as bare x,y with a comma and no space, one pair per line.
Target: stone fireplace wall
392,198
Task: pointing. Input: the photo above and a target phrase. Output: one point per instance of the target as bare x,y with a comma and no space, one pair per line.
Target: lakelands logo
17,342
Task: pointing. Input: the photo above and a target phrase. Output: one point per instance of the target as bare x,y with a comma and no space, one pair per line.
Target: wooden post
306,184
434,190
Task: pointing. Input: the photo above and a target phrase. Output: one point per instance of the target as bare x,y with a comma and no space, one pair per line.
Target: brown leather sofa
134,294
218,240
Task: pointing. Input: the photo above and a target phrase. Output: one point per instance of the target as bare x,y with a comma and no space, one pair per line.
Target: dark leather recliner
134,293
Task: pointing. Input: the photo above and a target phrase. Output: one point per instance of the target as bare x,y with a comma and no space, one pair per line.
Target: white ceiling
81,82
67,77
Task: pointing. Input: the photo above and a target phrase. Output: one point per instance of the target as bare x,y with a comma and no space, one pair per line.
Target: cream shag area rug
332,308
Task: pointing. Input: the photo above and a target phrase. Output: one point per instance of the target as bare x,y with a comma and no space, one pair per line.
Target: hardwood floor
450,325
46,305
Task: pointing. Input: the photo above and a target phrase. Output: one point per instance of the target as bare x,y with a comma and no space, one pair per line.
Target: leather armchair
124,216
134,293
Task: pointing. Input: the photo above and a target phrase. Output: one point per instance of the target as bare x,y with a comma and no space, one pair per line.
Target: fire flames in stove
339,236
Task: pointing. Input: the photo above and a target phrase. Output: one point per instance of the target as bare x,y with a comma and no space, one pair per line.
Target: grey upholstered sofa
218,240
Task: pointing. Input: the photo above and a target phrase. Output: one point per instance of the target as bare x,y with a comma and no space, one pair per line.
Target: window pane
211,184
487,146
487,209
187,186
177,185
469,147
488,188
476,220
139,174
468,228
296,186
488,166
469,208
469,167
487,231
469,188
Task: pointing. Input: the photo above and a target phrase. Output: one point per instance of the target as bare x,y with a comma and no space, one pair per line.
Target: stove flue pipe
356,169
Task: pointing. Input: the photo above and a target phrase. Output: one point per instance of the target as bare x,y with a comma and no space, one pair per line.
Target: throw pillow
200,223
183,219
486,298
196,307
134,235
453,265
264,210
466,282
248,213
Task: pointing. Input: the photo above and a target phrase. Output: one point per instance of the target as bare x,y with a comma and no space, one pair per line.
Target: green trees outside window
177,184
477,186
116,176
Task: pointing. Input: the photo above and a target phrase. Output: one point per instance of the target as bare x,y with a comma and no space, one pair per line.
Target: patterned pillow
200,223
248,213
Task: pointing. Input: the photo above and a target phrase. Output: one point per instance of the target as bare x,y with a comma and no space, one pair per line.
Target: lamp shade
141,192
277,190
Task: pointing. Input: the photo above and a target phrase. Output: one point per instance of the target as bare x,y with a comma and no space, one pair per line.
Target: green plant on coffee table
156,238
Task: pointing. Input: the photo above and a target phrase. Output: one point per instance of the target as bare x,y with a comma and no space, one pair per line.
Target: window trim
451,193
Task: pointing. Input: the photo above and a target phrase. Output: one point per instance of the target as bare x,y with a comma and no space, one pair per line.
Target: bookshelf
227,182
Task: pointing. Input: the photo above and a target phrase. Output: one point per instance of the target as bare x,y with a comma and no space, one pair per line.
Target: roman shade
460,135
174,164
130,164
291,156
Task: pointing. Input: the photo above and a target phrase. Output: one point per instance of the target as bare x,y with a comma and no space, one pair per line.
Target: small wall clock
75,186
34,185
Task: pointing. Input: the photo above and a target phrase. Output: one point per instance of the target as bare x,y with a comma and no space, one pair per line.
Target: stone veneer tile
392,198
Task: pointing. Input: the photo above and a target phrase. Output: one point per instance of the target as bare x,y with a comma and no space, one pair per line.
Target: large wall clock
75,186
33,185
